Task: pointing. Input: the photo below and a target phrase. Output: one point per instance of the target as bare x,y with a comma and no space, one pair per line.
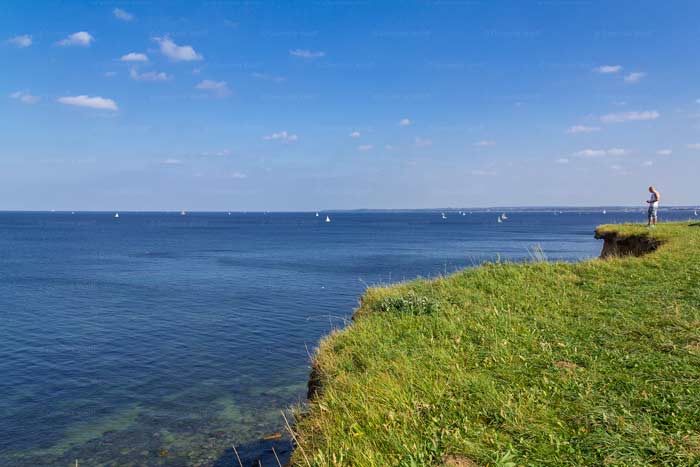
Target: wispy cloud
148,76
25,97
647,163
283,136
268,77
134,57
355,134
664,152
582,129
365,147
404,122
122,15
482,173
97,102
177,53
236,175
217,88
562,160
423,142
602,152
635,77
608,69
80,39
484,143
307,54
693,146
630,116
171,162
22,41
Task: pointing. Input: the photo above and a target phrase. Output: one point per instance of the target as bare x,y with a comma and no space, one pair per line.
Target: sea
169,339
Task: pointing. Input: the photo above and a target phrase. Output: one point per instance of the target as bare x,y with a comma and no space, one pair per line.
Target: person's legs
649,215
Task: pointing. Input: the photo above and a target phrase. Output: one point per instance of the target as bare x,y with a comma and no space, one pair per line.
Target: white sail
328,219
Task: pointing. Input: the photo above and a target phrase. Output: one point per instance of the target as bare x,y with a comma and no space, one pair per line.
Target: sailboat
503,216
695,213
316,214
604,211
116,216
328,219
444,216
499,220
183,213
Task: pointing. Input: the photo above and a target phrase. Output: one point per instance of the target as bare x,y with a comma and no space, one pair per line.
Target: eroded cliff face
616,245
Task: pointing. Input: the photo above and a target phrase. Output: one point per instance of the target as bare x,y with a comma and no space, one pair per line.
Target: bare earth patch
452,460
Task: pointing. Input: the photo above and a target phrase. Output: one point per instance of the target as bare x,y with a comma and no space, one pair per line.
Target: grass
538,364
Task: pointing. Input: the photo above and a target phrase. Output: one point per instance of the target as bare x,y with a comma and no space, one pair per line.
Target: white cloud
562,160
404,122
25,97
355,134
630,116
148,76
617,152
97,102
664,152
81,39
582,129
22,41
365,147
178,53
485,143
122,15
307,54
422,143
282,136
267,77
635,77
134,57
172,162
218,88
607,69
222,153
589,153
237,175
616,167
647,164
693,146
389,147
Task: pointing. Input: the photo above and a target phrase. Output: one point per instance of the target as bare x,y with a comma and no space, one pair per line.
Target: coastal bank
532,364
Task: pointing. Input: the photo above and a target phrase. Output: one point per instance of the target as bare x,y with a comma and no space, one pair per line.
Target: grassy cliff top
537,364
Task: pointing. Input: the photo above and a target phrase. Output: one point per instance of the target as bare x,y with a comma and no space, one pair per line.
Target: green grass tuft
538,364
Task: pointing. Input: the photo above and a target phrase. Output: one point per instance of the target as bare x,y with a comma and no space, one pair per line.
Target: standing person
653,206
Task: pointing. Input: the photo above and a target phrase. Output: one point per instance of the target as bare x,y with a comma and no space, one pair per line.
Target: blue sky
262,105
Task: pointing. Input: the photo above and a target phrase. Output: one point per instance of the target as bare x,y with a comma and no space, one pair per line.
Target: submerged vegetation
537,364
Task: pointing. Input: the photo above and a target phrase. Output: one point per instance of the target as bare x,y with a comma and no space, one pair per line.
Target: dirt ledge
616,245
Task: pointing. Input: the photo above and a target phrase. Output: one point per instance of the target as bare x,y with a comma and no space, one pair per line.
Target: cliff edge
548,364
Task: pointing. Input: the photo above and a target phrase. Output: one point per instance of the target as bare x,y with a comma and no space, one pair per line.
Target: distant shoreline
368,210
